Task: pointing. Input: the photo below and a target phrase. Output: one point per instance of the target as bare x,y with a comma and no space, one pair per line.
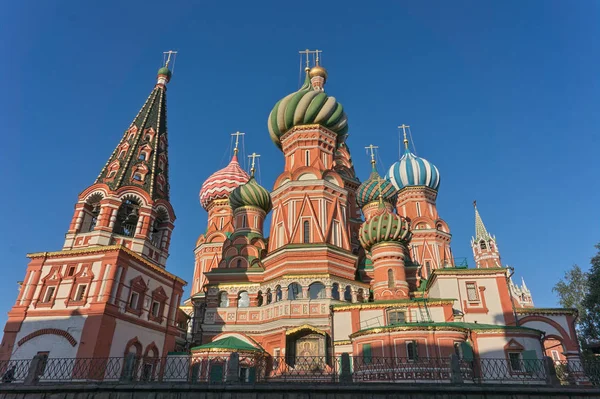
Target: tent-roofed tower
107,291
485,249
128,204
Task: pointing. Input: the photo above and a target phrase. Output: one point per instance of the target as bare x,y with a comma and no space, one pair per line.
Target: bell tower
128,204
107,292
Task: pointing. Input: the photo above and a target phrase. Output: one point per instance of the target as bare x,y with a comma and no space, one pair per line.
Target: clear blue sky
501,96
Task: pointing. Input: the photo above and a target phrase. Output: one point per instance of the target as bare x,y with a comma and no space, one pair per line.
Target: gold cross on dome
237,140
371,148
252,168
403,127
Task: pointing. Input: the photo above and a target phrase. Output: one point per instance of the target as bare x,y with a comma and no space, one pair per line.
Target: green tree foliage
581,290
591,302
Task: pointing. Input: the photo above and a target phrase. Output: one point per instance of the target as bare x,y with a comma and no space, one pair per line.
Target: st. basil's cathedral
350,267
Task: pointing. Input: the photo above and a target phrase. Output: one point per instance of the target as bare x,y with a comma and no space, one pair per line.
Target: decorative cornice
343,342
395,303
543,311
305,327
103,249
458,328
454,271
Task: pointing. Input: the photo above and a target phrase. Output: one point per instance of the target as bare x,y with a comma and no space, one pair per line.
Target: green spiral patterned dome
384,226
305,107
374,187
251,194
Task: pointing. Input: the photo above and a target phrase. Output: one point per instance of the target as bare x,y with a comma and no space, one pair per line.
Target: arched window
137,177
259,298
294,291
159,227
142,156
278,294
91,210
122,154
306,232
238,263
390,278
316,291
147,137
127,218
348,294
223,300
269,296
482,245
243,299
335,291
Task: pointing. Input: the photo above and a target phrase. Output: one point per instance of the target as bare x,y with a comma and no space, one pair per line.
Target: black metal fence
345,369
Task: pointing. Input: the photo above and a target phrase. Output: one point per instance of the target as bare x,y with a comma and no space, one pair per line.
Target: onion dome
373,188
309,105
384,226
251,194
412,170
221,183
165,71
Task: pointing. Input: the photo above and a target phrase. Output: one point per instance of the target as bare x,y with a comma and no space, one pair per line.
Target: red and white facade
107,292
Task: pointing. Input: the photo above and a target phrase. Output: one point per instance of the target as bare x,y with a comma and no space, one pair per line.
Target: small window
221,224
49,294
243,300
223,300
238,263
367,354
307,158
142,156
396,316
243,221
155,308
428,268
112,173
278,293
137,177
71,271
133,300
122,154
418,209
482,245
294,291
411,350
306,232
472,292
80,292
516,361
147,137
390,278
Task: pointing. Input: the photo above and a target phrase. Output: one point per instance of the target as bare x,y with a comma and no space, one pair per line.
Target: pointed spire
523,285
140,159
480,230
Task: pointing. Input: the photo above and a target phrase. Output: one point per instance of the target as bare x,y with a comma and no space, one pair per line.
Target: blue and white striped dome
411,170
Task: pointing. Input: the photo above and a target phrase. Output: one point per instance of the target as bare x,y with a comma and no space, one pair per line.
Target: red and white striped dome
221,183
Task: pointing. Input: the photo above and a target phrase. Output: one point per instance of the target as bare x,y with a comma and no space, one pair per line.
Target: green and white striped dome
251,194
384,226
307,106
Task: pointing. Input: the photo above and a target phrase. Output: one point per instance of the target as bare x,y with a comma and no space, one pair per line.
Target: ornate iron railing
343,369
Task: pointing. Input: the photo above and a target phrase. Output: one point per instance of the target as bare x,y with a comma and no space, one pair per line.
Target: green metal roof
229,343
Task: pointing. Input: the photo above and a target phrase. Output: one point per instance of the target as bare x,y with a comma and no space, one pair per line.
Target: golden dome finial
403,127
